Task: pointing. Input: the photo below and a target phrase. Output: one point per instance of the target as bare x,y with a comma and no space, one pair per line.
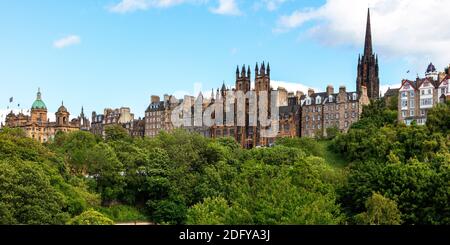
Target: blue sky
89,53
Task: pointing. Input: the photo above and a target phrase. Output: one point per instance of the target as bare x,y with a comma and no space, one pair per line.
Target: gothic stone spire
368,40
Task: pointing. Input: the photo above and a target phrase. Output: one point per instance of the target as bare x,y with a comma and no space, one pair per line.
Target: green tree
27,196
90,217
116,132
107,170
438,118
380,211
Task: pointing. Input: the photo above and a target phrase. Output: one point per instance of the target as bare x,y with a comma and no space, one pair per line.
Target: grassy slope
332,158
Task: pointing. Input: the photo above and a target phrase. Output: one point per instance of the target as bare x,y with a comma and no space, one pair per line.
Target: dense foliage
395,175
409,165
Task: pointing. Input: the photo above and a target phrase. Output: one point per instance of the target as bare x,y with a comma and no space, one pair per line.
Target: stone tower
368,67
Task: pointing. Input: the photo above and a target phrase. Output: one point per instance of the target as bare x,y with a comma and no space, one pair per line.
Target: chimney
155,99
166,98
310,92
330,89
299,94
342,89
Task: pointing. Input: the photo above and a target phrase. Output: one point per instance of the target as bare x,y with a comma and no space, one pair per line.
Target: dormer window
318,100
354,96
308,101
330,98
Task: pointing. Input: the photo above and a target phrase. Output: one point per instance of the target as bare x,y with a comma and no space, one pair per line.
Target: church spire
368,40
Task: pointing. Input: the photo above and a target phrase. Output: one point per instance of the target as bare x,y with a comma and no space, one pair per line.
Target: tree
438,118
27,196
380,211
116,132
107,170
90,217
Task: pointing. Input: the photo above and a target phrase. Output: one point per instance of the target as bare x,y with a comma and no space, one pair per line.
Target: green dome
38,103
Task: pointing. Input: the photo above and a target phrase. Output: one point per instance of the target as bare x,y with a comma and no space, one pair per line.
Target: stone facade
417,97
135,128
328,109
120,116
37,126
158,115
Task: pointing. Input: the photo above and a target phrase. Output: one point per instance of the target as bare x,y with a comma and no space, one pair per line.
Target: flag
11,99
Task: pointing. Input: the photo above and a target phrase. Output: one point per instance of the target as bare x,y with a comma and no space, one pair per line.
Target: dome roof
62,108
431,68
38,103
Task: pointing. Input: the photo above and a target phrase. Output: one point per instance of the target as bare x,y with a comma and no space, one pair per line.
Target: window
318,100
426,102
404,103
403,113
422,112
404,94
429,91
330,98
346,106
411,113
353,105
354,96
337,116
337,107
411,93
346,115
423,92
327,116
411,103
443,91
318,109
353,114
346,124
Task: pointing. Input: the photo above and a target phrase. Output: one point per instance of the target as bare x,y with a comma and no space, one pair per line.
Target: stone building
37,125
247,136
290,117
329,109
158,115
120,116
135,128
417,97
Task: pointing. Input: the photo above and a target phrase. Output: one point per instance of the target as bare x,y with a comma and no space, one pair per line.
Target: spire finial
368,40
39,95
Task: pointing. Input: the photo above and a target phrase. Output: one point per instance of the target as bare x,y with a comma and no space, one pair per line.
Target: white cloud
67,41
416,30
292,86
272,5
227,7
125,6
